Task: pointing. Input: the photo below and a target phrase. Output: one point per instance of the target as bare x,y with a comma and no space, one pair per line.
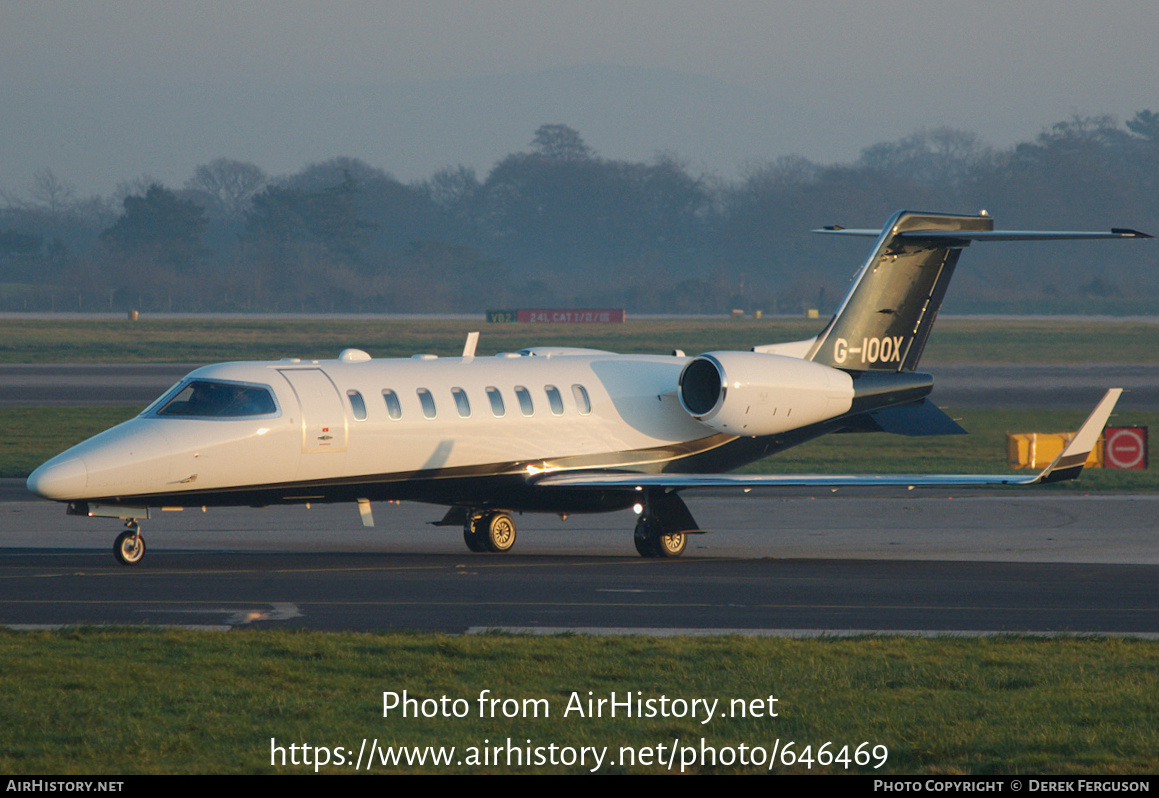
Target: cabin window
357,405
211,399
428,402
582,402
497,408
462,404
393,406
554,399
524,397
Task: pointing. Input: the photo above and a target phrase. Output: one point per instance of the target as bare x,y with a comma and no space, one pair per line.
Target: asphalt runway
1037,562
1070,387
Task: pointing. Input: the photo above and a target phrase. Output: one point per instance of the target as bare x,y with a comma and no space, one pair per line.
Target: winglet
1070,462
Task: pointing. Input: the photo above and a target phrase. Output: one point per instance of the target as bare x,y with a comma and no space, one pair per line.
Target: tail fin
885,319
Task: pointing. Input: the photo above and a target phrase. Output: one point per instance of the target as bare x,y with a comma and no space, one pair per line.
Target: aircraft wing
1066,466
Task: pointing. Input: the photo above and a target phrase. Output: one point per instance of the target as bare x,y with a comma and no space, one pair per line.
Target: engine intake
753,393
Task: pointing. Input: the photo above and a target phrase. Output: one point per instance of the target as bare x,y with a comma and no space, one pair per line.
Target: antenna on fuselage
469,346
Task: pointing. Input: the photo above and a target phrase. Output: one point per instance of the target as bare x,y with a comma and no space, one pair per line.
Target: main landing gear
129,547
664,525
489,531
652,541
662,529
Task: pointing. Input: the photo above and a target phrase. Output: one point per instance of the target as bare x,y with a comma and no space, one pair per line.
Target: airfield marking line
367,569
56,627
328,602
140,601
667,604
478,602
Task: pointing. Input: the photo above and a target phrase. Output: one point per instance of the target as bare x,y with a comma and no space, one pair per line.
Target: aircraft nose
61,480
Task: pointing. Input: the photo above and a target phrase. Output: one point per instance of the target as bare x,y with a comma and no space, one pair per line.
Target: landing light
637,508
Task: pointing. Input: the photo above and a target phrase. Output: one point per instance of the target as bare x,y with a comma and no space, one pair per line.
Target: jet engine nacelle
752,393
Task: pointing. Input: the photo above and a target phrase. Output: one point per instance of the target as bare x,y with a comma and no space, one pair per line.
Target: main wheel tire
652,541
646,538
129,547
472,536
500,534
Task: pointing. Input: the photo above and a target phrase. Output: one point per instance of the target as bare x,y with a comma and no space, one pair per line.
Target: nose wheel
129,547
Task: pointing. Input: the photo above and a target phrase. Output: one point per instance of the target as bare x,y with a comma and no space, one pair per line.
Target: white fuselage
361,421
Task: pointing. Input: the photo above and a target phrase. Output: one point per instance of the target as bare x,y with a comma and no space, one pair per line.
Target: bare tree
229,185
452,188
50,192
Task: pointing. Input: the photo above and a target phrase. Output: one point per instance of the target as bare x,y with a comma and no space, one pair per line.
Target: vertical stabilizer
885,319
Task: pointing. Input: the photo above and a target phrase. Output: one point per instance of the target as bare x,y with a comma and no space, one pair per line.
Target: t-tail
885,320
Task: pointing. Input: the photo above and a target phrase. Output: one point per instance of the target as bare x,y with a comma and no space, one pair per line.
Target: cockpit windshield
211,399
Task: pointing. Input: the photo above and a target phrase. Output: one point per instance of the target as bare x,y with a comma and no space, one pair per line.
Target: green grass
137,701
34,434
155,339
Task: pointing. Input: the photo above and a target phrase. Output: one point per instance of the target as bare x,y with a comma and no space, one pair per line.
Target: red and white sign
1125,447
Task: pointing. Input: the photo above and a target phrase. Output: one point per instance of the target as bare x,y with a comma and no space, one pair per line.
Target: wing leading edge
1066,466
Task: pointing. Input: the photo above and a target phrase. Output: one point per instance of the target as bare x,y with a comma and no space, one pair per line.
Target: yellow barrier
1038,449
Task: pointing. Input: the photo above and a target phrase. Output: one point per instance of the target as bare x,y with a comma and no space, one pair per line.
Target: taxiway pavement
909,563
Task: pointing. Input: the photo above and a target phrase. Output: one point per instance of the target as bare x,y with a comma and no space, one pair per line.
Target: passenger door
323,413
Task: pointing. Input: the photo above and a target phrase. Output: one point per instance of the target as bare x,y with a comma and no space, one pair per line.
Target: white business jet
550,429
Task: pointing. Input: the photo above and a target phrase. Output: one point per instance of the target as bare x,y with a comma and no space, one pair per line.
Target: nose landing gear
129,547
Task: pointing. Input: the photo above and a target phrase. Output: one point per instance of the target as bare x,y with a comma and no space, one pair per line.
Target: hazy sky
106,91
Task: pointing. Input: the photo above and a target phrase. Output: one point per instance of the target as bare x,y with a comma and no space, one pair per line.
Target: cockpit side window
212,399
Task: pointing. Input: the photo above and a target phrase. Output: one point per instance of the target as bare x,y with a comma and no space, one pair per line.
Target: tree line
558,225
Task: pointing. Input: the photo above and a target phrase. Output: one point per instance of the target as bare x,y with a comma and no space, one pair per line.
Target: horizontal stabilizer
991,235
884,321
1021,235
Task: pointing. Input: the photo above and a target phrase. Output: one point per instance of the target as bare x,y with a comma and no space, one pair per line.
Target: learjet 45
551,429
